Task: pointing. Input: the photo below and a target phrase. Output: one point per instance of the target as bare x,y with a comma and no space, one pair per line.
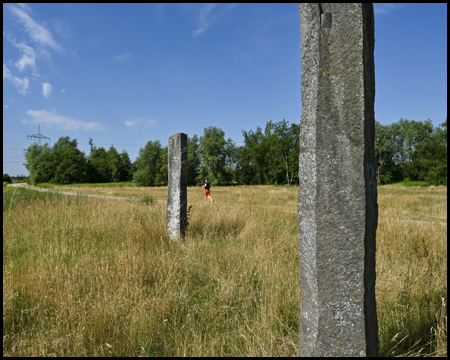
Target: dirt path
421,222
89,195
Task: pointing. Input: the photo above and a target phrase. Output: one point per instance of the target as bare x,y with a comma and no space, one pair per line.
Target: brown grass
95,277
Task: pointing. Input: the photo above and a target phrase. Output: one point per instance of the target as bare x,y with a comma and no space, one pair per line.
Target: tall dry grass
95,277
412,270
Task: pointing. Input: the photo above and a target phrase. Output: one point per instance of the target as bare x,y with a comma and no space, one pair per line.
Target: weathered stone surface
176,216
337,208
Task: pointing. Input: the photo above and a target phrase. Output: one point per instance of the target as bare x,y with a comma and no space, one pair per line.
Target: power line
39,136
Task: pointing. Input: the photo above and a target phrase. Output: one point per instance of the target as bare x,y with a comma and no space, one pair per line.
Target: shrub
7,178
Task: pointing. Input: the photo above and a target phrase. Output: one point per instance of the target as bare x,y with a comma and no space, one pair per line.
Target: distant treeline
411,150
9,179
406,150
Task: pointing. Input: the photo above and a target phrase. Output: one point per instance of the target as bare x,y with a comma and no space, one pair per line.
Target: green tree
282,151
113,158
432,156
162,178
148,164
269,157
252,157
216,156
385,149
99,168
414,135
38,162
411,150
62,164
125,169
69,162
287,147
230,160
442,132
193,160
7,178
108,165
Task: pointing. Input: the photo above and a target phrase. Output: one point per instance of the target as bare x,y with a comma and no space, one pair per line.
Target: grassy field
95,277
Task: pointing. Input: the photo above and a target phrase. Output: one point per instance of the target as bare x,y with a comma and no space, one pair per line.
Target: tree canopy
411,150
407,150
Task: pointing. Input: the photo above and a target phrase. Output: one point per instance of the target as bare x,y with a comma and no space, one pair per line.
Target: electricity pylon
39,136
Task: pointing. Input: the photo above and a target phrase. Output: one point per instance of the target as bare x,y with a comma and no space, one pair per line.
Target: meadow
86,276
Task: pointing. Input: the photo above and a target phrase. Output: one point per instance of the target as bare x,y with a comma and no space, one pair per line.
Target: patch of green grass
116,184
14,197
45,185
101,185
416,183
147,200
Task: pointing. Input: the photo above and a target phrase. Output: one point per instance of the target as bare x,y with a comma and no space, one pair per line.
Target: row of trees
64,163
413,150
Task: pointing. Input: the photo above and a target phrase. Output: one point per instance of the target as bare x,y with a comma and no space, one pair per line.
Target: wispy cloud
263,38
158,10
28,58
203,18
122,58
52,120
37,44
25,7
37,32
381,8
21,85
140,120
46,89
207,17
61,28
63,91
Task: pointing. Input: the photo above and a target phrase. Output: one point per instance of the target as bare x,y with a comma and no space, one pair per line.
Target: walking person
207,187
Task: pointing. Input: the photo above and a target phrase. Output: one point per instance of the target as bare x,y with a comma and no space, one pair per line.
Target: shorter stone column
177,197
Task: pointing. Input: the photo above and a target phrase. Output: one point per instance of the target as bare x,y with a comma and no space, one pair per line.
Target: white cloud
139,120
122,58
61,28
37,32
130,123
202,16
159,8
21,85
28,58
206,16
63,91
40,35
25,7
6,72
6,106
383,8
46,89
53,120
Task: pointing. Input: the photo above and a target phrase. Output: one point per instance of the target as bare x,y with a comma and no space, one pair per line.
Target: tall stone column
337,203
176,216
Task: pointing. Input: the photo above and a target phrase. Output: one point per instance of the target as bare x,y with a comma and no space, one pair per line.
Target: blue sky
124,74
